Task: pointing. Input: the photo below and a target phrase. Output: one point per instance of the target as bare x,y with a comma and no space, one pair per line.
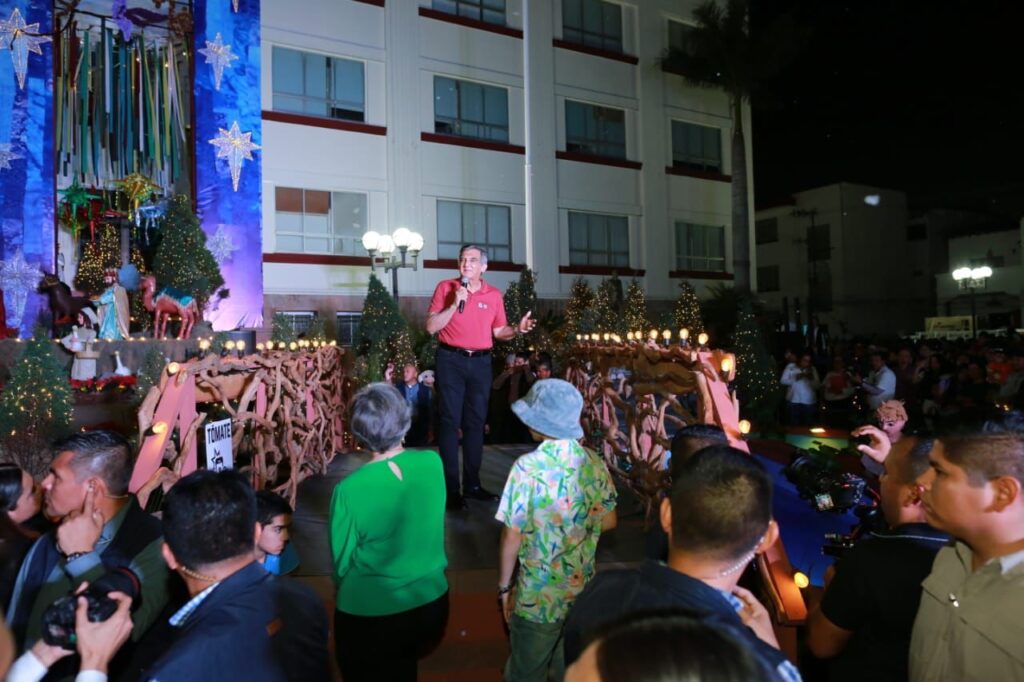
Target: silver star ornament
18,277
7,155
220,56
236,147
15,35
221,245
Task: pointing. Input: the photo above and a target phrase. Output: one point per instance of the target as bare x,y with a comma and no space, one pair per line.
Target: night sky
926,97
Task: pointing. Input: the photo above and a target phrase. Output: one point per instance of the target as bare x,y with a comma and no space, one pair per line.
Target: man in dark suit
419,396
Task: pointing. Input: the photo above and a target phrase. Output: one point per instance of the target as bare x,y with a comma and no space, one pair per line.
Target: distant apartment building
381,114
996,299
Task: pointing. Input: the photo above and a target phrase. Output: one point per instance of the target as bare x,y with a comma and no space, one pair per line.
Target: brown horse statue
63,303
165,302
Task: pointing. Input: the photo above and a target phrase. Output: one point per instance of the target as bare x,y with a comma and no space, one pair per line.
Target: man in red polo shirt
467,314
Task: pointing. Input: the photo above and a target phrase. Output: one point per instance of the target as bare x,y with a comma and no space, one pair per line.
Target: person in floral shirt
557,501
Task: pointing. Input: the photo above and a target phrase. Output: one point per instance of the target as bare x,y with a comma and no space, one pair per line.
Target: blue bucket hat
552,407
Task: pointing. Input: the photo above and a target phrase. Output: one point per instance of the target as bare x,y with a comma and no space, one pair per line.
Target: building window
596,239
768,278
491,11
313,221
820,298
318,85
461,223
700,247
819,243
470,109
991,260
594,130
917,232
593,23
347,328
696,147
766,230
678,36
300,321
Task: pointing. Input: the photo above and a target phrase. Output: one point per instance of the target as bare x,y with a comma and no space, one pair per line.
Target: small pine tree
513,311
37,401
182,260
756,384
140,317
579,311
381,330
316,331
281,330
686,314
400,350
634,311
153,364
527,294
98,256
608,306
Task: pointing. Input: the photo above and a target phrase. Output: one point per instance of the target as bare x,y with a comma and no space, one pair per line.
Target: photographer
101,527
867,613
801,382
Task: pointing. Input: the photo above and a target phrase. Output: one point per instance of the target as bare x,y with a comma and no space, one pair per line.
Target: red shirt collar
484,286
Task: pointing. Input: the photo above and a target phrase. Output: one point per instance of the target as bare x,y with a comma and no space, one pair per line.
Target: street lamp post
970,279
381,248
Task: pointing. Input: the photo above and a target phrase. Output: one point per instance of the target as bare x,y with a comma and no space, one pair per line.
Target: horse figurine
165,302
62,302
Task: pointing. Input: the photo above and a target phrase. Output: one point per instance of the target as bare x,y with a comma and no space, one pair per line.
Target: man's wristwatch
68,558
504,589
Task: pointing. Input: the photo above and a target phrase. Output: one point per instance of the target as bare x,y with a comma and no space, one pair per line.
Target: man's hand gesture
80,530
527,324
879,447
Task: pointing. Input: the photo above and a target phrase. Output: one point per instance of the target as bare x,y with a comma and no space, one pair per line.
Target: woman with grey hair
387,542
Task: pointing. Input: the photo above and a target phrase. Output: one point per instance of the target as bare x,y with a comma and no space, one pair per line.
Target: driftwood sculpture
287,410
165,302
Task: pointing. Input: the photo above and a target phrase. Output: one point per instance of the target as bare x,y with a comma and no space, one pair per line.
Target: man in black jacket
718,518
867,613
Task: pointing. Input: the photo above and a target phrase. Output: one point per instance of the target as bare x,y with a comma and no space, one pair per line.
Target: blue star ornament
220,56
17,36
7,155
236,147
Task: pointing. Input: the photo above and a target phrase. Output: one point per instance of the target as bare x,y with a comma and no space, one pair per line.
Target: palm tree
721,52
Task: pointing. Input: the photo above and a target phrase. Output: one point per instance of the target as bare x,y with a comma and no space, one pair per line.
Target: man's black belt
469,353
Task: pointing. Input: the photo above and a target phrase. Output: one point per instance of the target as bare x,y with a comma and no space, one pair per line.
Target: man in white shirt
880,384
801,382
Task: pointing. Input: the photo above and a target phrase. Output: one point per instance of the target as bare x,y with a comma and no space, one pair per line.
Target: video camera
871,519
59,617
817,478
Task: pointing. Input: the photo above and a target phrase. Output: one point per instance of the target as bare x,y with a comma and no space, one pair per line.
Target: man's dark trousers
463,388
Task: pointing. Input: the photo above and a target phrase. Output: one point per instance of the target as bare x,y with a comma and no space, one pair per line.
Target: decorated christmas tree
513,311
153,364
686,314
634,310
98,255
36,402
383,333
608,307
281,330
182,260
756,384
140,317
527,295
579,311
400,350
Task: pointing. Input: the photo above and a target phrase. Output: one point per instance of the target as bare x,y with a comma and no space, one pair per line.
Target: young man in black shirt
867,613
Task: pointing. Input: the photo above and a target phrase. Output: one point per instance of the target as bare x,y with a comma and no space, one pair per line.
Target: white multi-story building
544,129
996,300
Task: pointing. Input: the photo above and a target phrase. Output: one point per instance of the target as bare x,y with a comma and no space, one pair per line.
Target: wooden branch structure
634,451
287,408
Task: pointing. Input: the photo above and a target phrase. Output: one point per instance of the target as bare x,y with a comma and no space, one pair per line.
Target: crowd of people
186,579
940,383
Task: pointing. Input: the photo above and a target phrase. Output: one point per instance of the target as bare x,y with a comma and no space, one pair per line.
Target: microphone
465,285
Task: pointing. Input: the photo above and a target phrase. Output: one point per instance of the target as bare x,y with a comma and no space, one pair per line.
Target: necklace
195,575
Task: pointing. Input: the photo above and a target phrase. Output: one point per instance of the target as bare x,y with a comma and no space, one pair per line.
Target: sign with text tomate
218,445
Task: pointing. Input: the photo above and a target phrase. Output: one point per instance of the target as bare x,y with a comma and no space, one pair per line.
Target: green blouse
387,535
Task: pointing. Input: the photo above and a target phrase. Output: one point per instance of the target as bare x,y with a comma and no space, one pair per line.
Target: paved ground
475,646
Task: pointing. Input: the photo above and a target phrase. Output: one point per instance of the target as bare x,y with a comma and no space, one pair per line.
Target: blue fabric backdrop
238,214
26,188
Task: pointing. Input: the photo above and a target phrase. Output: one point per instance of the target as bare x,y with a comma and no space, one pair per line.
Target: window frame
494,249
331,235
762,286
293,316
595,146
440,6
699,263
668,32
330,102
355,328
693,162
456,124
818,249
760,238
603,257
601,40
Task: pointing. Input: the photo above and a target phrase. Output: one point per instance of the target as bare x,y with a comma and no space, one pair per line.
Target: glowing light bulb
654,335
173,368
702,339
744,426
818,430
726,364
684,333
666,334
801,580
293,346
160,427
